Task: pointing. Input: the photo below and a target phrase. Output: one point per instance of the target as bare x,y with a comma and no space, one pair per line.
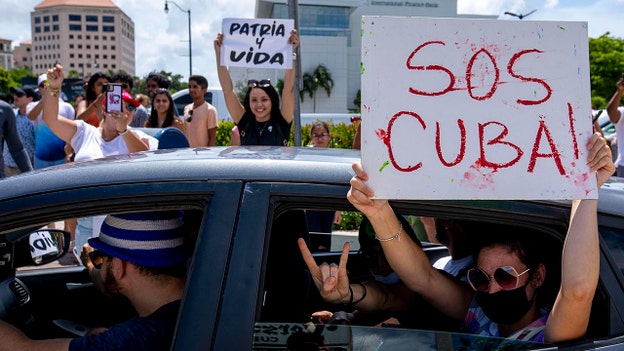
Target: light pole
189,31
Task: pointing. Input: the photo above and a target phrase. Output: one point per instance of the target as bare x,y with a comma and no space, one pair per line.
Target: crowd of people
489,290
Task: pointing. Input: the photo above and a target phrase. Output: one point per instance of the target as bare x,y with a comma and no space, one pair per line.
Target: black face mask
505,306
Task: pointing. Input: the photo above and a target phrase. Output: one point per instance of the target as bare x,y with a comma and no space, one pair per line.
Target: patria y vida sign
256,42
476,109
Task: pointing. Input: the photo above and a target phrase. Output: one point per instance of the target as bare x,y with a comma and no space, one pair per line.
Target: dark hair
152,122
90,91
319,124
200,80
276,114
124,77
161,80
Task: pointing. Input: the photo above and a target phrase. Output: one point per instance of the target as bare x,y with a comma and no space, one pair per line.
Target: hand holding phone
114,95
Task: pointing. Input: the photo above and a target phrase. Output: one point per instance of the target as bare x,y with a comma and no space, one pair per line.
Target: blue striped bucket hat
152,239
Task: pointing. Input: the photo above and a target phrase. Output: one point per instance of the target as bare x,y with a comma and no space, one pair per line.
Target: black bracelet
351,302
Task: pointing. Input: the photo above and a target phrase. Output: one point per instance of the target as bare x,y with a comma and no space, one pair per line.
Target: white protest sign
41,243
476,109
256,42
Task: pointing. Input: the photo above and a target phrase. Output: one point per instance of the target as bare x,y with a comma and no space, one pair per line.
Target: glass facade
325,21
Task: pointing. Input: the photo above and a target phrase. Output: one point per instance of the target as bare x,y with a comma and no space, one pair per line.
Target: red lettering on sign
387,137
448,88
510,69
497,140
543,129
462,144
469,76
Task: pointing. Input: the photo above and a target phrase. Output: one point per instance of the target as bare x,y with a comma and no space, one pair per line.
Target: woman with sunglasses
503,277
89,110
163,111
260,120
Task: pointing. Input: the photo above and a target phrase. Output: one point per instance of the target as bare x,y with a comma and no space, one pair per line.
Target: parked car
248,287
213,96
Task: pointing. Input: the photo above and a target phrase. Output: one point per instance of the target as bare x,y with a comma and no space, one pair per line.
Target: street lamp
189,31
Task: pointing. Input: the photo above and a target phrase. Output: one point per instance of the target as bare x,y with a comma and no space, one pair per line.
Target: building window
71,36
92,28
112,38
104,47
113,47
46,29
55,18
96,37
105,65
88,56
91,18
109,29
71,55
113,66
79,36
75,27
37,20
71,46
96,47
72,65
46,19
113,57
55,27
105,56
108,19
104,37
79,55
37,29
88,37
75,18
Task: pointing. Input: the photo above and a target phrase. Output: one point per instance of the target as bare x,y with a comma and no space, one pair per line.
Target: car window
614,238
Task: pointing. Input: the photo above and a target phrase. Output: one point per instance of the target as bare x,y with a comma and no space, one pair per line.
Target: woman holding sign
260,120
504,285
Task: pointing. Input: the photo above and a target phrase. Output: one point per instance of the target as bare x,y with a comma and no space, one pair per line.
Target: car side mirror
42,246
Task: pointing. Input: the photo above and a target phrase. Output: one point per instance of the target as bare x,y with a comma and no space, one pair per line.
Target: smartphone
113,96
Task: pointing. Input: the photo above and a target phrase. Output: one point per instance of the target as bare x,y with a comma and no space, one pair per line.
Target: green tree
5,81
320,78
606,65
18,73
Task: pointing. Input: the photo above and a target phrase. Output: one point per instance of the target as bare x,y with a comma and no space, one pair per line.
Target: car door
65,292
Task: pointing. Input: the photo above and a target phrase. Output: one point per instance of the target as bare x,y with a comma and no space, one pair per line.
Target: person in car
615,115
142,257
504,286
260,120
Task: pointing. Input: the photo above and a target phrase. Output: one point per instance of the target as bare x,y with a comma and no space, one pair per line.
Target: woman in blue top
260,120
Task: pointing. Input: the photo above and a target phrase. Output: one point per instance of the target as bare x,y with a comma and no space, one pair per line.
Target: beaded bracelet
395,236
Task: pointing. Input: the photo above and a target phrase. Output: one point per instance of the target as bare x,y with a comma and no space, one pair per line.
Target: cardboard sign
476,109
256,42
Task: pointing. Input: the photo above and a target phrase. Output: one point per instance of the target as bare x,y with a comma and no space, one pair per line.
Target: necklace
264,126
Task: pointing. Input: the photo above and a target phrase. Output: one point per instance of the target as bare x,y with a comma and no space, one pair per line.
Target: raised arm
612,106
235,108
63,128
580,268
288,92
406,258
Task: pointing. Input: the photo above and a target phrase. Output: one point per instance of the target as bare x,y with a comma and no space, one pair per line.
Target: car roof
245,163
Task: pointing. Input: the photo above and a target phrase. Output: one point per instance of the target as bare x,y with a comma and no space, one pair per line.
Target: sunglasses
265,83
131,108
506,277
97,257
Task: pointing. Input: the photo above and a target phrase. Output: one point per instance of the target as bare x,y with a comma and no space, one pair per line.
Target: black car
248,287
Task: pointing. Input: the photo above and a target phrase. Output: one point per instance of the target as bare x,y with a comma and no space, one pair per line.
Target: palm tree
320,78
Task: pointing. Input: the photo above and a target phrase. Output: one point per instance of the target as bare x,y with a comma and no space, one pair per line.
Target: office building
6,56
22,55
330,35
85,36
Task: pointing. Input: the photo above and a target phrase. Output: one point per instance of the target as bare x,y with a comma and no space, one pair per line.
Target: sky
162,39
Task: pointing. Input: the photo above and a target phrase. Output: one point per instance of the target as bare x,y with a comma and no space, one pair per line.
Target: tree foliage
320,78
606,65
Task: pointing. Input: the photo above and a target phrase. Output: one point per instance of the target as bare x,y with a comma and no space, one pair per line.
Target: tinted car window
186,99
615,241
